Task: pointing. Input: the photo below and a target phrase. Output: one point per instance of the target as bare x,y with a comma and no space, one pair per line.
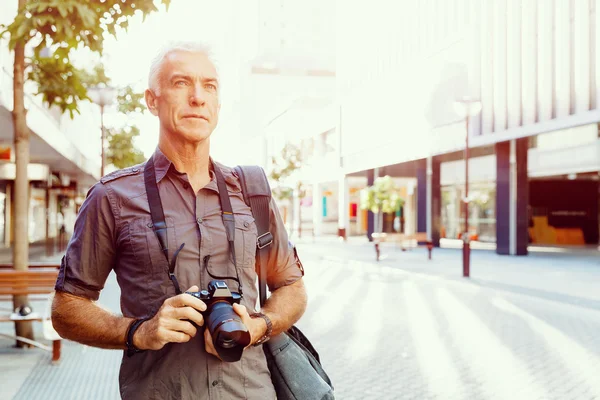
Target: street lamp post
466,108
103,96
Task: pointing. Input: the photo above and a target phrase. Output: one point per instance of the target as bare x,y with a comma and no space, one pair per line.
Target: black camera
230,336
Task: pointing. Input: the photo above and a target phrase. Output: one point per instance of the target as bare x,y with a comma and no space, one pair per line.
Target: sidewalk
81,368
565,275
17,364
568,278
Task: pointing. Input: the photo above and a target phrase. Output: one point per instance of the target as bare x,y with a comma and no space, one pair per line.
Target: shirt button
246,224
215,383
199,220
186,186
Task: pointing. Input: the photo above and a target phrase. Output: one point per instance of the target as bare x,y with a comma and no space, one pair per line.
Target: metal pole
102,140
466,238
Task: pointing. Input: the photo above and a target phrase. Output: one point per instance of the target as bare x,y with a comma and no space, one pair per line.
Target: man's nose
197,96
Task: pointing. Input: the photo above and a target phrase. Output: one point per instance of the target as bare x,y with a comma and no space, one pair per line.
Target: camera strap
228,219
159,225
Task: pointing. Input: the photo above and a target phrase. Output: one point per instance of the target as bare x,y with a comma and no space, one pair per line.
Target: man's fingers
240,309
208,340
177,337
194,288
189,313
208,344
182,326
184,300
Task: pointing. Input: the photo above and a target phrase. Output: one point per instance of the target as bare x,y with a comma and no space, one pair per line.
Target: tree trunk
300,219
21,193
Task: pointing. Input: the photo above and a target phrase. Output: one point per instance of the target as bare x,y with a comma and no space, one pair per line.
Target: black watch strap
267,334
131,349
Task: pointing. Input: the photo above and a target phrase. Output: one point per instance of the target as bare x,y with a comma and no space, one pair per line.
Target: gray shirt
113,232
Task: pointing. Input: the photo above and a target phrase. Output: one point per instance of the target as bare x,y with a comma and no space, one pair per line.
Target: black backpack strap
257,195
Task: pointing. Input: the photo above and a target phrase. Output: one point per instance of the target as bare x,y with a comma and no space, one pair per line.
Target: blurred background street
403,328
469,127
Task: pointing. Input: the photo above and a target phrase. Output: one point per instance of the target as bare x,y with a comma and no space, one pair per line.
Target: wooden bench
415,240
36,281
32,265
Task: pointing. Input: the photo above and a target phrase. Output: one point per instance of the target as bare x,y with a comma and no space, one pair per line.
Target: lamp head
467,107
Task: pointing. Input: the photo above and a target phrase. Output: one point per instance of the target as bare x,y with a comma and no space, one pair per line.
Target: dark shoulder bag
294,363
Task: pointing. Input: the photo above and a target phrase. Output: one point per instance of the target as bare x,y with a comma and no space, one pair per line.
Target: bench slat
32,265
27,282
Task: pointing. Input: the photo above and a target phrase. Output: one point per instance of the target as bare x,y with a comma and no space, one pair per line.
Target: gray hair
192,47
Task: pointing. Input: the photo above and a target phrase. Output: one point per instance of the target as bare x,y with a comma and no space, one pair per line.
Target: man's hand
256,327
172,323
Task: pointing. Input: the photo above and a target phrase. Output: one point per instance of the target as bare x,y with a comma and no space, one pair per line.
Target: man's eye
210,86
180,83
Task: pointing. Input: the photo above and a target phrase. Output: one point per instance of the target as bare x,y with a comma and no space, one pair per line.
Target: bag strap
257,195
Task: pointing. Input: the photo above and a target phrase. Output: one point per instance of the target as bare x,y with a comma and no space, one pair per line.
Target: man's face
187,102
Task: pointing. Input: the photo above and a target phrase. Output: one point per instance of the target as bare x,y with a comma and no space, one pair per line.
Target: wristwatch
267,334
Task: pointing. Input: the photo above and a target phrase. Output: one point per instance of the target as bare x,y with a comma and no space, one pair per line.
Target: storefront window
37,215
482,212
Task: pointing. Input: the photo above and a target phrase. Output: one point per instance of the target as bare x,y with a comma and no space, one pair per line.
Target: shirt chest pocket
245,240
148,249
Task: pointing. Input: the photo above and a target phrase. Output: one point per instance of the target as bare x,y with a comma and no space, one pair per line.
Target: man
168,359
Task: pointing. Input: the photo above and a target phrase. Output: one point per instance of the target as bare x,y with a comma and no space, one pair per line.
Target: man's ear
150,98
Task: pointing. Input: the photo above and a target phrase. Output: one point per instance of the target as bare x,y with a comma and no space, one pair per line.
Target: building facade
288,91
535,148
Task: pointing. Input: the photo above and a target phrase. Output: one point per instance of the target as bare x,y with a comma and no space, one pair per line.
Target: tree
121,151
282,168
382,197
59,27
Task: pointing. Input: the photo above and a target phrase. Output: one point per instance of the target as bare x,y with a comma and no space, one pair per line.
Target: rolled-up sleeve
91,251
284,266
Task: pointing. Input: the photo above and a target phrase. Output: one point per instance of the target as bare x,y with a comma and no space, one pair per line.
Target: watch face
262,340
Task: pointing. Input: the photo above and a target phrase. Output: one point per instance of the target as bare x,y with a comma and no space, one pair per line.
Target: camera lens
228,340
229,334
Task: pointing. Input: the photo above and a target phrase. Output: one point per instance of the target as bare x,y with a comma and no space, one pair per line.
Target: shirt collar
162,165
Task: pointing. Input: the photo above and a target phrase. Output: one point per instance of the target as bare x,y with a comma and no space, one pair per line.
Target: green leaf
382,196
63,10
122,153
66,25
130,101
